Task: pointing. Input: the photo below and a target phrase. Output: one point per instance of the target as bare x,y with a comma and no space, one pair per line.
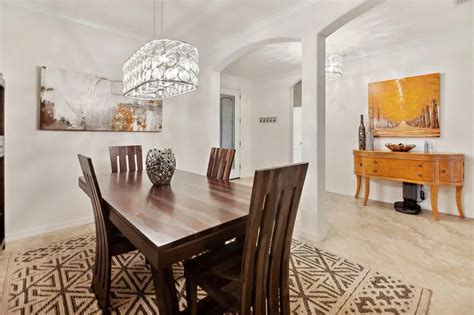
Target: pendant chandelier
334,67
161,68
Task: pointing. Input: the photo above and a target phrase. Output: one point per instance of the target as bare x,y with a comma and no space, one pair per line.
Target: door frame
236,172
291,121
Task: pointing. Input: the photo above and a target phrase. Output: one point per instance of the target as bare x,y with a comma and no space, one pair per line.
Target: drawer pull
375,171
375,162
443,171
420,165
360,164
420,175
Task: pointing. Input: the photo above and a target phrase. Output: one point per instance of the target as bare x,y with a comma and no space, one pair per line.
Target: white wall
264,144
42,166
272,142
347,99
297,134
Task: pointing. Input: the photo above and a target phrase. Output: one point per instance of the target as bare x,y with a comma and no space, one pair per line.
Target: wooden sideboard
432,169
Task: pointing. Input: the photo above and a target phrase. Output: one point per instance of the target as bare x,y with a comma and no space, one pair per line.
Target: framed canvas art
407,107
78,101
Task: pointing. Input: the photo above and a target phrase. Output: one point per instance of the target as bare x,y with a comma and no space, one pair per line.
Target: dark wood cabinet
2,163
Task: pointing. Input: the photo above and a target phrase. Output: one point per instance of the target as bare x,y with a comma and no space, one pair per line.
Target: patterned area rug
56,279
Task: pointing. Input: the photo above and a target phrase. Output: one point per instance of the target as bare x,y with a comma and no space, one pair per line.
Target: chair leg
285,293
191,295
101,281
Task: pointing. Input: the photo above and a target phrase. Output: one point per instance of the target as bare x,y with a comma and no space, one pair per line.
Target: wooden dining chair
220,163
126,158
254,278
109,240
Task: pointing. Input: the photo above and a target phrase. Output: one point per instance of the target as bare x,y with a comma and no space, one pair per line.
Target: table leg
366,190
165,290
358,186
434,201
459,200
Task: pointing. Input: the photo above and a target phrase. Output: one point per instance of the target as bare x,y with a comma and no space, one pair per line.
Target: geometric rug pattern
56,280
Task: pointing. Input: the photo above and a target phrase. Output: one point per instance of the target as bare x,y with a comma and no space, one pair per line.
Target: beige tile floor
435,255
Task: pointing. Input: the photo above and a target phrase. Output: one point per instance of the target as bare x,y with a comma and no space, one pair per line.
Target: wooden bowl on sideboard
400,147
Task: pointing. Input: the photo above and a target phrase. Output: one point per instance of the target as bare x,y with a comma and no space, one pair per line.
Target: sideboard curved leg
366,190
459,200
434,201
358,186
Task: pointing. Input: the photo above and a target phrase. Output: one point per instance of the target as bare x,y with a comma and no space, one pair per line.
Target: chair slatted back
265,267
220,163
126,158
102,226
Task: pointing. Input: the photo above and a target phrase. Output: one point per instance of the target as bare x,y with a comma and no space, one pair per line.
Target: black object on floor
409,204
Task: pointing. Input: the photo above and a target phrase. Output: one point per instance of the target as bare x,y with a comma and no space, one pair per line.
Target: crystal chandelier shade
334,68
160,69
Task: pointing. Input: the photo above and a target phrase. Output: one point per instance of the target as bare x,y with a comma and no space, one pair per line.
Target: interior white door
230,126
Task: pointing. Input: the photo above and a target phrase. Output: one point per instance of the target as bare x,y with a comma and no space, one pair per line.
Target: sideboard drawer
417,170
451,171
377,167
398,168
358,166
422,171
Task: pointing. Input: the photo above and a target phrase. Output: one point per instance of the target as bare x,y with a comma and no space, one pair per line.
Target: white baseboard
18,235
310,236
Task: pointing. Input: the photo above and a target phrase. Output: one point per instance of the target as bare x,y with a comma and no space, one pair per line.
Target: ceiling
270,61
394,24
200,22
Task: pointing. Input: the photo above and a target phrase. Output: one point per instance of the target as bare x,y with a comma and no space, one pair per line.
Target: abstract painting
77,101
407,107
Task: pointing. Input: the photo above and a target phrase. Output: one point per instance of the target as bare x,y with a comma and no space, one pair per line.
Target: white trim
308,236
235,173
17,235
292,123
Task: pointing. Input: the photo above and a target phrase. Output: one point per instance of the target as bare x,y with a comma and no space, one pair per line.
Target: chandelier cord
154,19
162,19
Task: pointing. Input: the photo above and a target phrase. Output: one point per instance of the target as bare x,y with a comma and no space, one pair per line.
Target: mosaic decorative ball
160,166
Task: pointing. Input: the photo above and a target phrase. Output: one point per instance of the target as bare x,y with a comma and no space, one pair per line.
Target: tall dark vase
361,133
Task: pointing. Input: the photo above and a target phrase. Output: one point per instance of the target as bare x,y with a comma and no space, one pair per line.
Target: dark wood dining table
171,223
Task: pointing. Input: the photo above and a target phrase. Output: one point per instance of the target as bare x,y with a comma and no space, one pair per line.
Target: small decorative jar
160,166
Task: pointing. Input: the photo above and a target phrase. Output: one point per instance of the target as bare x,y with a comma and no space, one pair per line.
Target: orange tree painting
407,107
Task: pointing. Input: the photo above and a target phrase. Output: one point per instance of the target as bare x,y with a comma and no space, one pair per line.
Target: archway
262,75
312,215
